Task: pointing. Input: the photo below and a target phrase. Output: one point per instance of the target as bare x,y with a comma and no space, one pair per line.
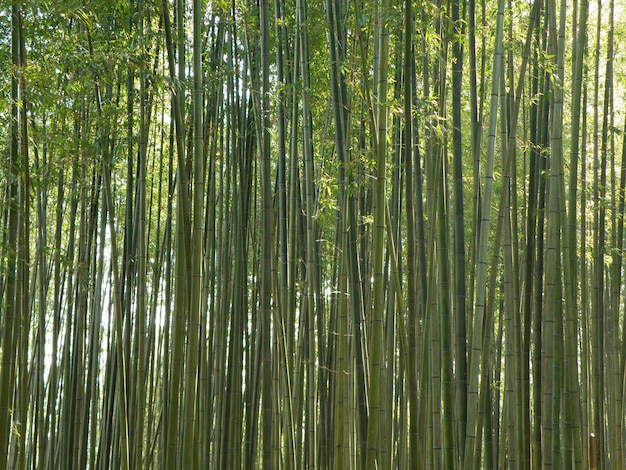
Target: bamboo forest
312,234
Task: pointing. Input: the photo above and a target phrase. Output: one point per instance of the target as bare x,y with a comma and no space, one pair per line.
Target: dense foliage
295,234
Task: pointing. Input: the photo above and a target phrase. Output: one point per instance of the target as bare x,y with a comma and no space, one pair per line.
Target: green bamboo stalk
141,237
337,43
42,166
10,335
471,453
411,268
283,312
182,241
266,236
22,293
584,295
597,322
376,434
197,245
460,351
311,236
